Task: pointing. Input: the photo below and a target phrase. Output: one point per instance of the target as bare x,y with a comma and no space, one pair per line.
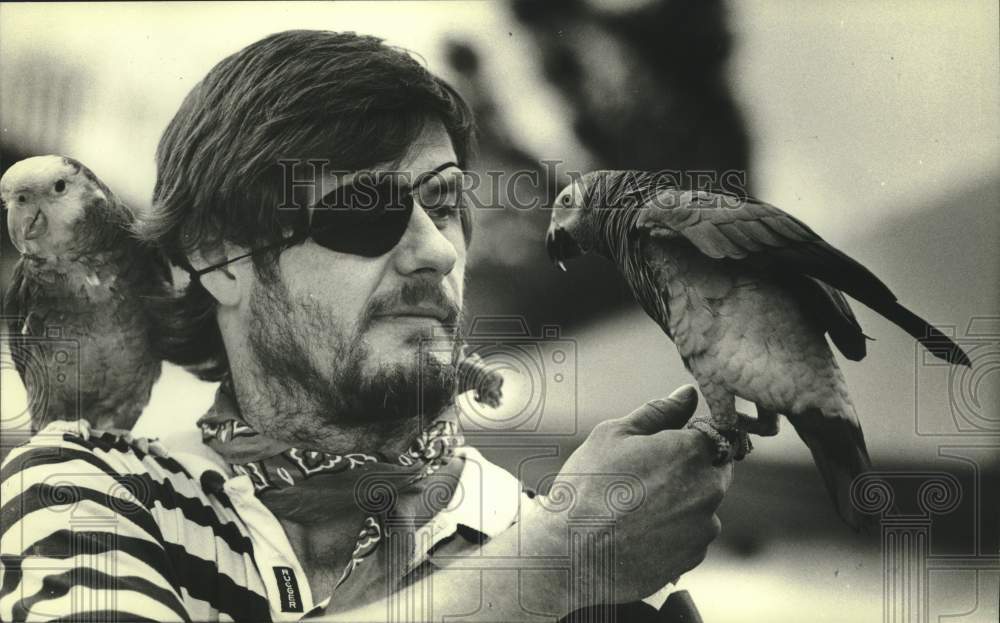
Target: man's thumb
671,412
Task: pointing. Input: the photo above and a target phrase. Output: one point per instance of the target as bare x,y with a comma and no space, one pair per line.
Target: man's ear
223,283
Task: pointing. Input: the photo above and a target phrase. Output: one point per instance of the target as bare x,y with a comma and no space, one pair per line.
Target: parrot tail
939,344
838,448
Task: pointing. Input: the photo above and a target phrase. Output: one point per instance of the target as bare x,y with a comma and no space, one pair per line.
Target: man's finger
663,414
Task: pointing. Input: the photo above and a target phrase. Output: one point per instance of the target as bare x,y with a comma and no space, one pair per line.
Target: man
332,478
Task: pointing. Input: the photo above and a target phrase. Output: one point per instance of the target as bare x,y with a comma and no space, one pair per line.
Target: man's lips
432,313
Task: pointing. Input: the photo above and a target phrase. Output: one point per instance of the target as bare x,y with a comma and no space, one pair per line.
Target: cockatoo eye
567,200
59,186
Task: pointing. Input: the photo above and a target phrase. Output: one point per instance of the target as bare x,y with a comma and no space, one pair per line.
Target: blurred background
877,124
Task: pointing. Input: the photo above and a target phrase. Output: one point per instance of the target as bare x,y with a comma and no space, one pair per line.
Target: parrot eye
567,200
59,186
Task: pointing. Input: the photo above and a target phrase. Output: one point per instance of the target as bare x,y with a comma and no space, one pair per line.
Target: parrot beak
560,246
26,222
35,226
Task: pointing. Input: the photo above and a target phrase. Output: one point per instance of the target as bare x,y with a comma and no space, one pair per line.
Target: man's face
348,329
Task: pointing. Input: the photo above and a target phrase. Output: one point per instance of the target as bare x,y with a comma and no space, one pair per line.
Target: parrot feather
840,454
760,233
830,310
740,237
787,226
712,242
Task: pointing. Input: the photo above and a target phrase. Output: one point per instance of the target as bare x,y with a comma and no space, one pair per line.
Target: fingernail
683,393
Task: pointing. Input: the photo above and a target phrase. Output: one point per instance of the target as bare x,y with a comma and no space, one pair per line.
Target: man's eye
445,211
441,203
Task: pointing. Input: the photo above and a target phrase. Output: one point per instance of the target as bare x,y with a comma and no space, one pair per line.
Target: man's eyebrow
434,173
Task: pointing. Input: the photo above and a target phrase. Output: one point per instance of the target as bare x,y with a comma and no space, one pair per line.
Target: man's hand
667,531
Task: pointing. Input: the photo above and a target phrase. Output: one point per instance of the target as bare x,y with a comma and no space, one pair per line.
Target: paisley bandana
306,486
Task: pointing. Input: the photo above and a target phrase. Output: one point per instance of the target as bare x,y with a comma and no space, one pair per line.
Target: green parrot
78,331
747,294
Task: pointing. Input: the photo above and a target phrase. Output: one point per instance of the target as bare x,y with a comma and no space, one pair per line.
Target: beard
322,384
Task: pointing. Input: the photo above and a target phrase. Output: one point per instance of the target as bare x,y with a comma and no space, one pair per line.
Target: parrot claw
743,444
730,444
723,449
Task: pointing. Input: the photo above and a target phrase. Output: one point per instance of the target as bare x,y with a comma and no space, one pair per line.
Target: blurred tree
645,87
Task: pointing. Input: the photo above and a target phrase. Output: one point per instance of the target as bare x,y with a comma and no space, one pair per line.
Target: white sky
143,59
855,106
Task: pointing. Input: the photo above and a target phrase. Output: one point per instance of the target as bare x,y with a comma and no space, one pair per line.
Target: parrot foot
730,444
741,439
765,424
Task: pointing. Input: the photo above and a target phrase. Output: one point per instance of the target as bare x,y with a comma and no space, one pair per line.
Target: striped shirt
97,526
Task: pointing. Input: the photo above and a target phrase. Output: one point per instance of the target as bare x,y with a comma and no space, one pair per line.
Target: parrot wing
149,263
828,305
16,306
724,226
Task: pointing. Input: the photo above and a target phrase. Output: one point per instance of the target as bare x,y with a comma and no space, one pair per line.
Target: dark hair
347,99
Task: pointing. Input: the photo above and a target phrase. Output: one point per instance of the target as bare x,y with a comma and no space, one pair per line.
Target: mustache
413,293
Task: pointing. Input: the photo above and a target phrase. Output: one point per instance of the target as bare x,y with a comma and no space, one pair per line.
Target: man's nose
424,248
